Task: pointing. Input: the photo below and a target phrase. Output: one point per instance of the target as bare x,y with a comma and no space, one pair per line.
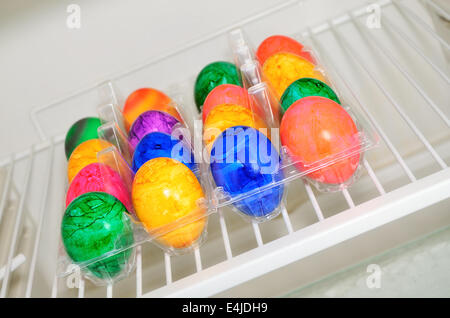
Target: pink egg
316,130
280,43
229,94
98,177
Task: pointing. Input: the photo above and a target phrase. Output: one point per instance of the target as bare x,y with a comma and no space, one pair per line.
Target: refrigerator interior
397,72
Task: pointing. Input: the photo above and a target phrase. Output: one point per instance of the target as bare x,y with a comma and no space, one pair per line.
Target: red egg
316,130
228,94
98,177
280,43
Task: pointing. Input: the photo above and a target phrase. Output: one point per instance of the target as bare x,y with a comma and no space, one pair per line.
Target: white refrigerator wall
42,60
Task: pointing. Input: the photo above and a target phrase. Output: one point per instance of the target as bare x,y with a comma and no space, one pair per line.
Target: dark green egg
213,75
82,130
305,87
95,223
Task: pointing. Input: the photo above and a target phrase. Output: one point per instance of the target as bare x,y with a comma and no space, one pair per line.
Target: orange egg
282,69
83,155
145,99
169,201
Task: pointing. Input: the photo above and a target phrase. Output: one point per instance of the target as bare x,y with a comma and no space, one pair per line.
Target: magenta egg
98,177
151,121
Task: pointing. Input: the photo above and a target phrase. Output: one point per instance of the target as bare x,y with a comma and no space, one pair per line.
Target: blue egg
158,144
243,160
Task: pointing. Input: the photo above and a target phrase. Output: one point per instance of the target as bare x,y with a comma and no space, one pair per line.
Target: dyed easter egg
213,75
82,130
158,144
282,69
96,223
229,115
315,129
98,177
164,191
83,155
151,121
306,87
229,94
145,99
244,160
280,43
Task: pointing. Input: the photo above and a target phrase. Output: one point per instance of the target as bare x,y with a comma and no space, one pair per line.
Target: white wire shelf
408,172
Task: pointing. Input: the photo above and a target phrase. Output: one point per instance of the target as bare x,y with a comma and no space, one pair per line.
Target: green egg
213,75
95,223
82,130
305,87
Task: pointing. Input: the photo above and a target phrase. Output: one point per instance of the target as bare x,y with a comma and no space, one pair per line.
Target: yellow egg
83,155
166,192
282,69
225,116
